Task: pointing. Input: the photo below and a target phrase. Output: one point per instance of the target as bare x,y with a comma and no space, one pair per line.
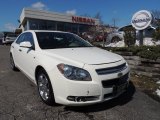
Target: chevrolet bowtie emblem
120,74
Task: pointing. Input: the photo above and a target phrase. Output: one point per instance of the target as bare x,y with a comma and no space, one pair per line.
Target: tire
45,88
115,39
12,64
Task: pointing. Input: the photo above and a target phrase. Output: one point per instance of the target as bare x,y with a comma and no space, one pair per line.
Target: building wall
36,24
46,15
45,20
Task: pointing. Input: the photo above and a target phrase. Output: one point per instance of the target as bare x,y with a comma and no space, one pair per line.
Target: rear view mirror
26,44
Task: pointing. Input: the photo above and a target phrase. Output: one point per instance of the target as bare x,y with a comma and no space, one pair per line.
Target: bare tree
99,16
156,14
98,29
115,20
85,15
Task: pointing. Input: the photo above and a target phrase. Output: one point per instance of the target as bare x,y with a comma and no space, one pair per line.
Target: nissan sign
83,20
141,20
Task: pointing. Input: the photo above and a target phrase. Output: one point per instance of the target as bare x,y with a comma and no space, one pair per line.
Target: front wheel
44,87
12,64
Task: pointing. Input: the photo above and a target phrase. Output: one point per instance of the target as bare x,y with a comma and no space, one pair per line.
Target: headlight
74,73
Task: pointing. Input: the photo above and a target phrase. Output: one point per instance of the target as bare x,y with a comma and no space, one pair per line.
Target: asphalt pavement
19,100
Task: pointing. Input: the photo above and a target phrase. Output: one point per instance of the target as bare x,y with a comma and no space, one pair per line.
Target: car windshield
53,40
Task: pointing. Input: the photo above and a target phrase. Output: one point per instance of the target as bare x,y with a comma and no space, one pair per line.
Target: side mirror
26,44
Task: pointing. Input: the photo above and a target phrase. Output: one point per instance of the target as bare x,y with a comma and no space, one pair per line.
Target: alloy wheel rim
43,86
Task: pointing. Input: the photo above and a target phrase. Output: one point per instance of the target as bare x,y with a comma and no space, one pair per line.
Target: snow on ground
158,82
149,42
158,92
158,42
146,41
116,44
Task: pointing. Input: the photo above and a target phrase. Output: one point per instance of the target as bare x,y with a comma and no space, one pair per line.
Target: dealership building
32,19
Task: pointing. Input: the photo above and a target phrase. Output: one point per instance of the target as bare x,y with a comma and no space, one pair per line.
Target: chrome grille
110,70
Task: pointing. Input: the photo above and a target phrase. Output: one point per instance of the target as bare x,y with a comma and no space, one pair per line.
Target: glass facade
25,26
51,25
35,24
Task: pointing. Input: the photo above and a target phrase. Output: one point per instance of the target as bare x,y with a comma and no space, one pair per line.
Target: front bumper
80,93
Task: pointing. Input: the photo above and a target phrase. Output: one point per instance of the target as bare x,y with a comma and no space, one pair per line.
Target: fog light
71,98
82,98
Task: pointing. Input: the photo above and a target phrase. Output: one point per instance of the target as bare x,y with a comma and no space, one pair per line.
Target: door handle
20,50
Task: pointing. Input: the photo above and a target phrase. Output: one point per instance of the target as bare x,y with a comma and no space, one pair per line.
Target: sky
120,10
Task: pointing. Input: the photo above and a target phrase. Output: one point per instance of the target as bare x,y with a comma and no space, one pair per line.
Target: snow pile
137,43
158,92
158,82
116,44
158,42
146,41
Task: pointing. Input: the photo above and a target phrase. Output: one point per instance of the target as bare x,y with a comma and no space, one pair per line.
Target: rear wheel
115,39
44,87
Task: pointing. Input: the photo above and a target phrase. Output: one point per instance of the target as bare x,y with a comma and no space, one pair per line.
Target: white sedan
67,69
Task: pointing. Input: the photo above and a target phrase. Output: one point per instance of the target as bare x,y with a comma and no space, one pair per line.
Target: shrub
149,52
156,34
130,36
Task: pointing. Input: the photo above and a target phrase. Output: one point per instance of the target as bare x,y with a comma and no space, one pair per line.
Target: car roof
47,31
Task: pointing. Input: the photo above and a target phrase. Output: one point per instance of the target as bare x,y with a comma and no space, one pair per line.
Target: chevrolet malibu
67,69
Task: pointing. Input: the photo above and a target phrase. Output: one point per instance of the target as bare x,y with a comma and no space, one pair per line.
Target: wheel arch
36,71
115,37
39,67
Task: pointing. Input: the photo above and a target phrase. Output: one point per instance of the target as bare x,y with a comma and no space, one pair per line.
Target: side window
29,37
25,37
20,39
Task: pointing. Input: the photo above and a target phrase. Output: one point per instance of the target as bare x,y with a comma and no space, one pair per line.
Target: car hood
86,55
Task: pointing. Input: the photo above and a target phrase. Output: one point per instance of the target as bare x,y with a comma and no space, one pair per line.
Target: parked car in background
94,37
1,36
8,37
118,35
87,36
115,36
67,69
100,37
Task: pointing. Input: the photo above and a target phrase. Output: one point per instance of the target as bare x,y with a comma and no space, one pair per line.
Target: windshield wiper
82,46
